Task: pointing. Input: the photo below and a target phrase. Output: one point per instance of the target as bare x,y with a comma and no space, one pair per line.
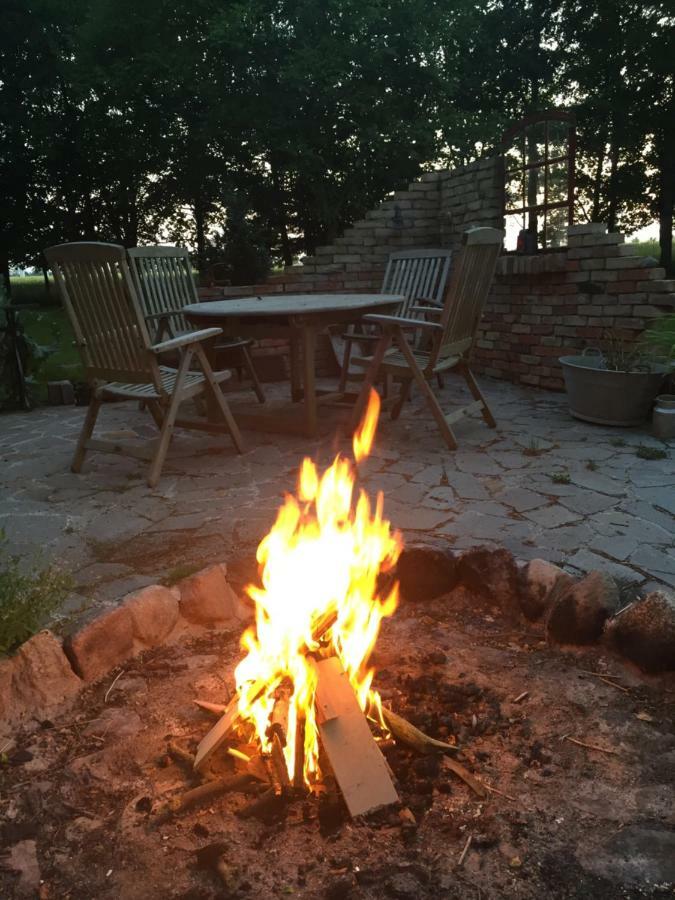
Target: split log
279,763
200,794
279,719
299,767
216,709
357,762
224,726
405,731
265,805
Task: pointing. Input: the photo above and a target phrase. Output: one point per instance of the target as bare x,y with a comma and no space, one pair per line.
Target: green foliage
659,340
560,477
645,452
26,599
140,122
173,576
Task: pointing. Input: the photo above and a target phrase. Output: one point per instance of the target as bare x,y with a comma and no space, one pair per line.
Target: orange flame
321,559
365,433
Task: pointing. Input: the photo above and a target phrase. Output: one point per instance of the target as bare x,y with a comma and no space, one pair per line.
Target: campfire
304,701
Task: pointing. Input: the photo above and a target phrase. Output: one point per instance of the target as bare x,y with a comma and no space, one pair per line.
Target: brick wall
541,307
546,306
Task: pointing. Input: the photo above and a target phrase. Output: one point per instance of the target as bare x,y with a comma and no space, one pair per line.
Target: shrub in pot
618,384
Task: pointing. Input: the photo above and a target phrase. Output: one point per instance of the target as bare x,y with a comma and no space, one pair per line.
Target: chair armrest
162,315
401,322
433,310
192,337
360,337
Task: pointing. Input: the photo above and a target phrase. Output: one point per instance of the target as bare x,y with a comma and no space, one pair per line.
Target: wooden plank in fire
359,767
220,731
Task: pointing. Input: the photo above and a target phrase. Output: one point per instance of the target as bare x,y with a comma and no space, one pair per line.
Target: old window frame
532,213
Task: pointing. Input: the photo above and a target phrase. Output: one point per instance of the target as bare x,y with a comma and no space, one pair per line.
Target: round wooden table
299,318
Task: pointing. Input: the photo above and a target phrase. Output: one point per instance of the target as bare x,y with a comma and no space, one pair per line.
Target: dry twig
579,743
607,680
465,850
199,795
114,682
494,790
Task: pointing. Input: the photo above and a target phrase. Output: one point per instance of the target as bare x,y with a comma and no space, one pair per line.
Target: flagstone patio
541,485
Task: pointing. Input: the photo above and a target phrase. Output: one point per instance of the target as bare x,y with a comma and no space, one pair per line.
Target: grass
173,576
617,442
560,477
27,599
54,358
591,465
645,452
646,248
31,289
534,448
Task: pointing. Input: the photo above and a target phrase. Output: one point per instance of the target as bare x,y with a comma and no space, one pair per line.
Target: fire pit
451,750
304,690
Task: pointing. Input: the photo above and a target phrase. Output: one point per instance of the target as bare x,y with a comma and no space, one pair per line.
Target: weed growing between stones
27,599
560,477
645,452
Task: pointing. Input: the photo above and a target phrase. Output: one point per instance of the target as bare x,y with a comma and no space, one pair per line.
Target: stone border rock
574,612
45,674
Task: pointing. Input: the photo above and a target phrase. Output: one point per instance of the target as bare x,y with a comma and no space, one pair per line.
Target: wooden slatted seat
99,294
420,276
165,284
451,338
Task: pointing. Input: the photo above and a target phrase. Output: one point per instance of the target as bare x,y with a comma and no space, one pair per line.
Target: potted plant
618,384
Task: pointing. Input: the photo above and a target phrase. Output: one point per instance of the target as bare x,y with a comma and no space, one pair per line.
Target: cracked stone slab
601,484
551,516
521,499
587,561
466,486
588,502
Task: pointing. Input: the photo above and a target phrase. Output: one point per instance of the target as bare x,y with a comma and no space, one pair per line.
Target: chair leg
85,434
439,380
344,374
477,394
425,387
406,384
217,395
155,411
166,431
369,379
252,374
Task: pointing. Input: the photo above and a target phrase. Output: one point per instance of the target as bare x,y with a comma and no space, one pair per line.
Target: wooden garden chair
420,276
451,338
121,361
164,281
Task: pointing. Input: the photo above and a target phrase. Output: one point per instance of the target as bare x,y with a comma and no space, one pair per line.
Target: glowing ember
319,567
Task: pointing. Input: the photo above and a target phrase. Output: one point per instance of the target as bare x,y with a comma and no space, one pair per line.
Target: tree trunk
666,196
45,275
597,184
200,227
4,276
612,187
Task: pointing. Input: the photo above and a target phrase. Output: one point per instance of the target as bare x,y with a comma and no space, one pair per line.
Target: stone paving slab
541,484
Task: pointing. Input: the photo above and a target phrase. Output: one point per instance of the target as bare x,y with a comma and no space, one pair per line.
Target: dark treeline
255,127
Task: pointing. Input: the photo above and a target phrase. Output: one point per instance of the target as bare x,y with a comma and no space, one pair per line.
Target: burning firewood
200,794
357,761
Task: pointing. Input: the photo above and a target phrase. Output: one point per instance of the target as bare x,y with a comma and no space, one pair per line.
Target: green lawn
48,329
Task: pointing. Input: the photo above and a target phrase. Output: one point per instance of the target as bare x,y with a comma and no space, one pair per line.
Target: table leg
309,378
213,412
296,382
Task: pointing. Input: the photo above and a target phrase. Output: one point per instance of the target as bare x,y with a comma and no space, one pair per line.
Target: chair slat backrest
467,290
163,276
418,275
99,295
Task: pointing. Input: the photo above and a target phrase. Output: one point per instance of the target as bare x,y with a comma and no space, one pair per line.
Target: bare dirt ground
569,822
